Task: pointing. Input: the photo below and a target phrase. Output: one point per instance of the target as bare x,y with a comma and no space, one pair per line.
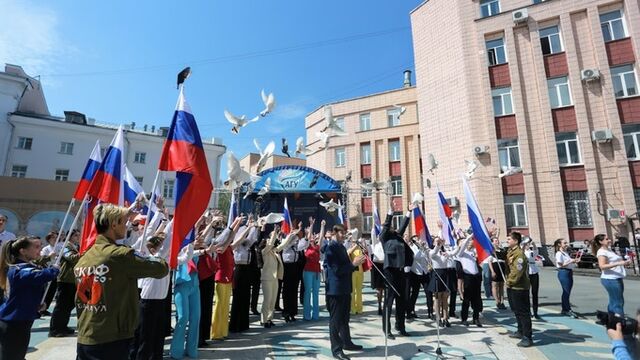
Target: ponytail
557,244
9,255
596,245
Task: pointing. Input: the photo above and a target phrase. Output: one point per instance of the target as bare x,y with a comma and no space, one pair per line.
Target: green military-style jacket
108,293
69,259
518,265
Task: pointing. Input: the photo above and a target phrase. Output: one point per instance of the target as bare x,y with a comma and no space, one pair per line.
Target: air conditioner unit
453,201
589,74
615,214
520,16
480,149
602,135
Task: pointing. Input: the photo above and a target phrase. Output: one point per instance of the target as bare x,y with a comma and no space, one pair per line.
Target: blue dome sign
297,179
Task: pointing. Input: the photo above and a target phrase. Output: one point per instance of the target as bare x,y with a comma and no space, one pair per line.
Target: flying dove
266,188
301,148
272,218
331,126
331,206
182,76
237,176
238,122
264,154
323,136
432,164
269,103
472,166
285,147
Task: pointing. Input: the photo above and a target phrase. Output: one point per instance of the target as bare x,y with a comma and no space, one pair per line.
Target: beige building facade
382,144
546,90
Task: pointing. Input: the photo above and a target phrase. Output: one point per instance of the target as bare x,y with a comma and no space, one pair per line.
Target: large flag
233,209
183,153
131,187
377,225
286,223
481,239
444,210
420,226
90,170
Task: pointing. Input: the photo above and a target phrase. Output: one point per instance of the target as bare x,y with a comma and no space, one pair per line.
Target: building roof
361,97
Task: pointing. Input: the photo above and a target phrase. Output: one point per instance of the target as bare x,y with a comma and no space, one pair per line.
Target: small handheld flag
286,223
420,226
377,225
444,211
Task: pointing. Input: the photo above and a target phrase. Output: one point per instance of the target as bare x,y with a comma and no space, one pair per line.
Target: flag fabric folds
286,223
183,153
444,211
377,225
481,239
420,226
90,170
131,187
107,183
340,214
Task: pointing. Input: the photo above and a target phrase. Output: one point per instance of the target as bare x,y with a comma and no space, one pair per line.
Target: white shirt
48,250
467,258
531,258
290,253
6,236
378,252
562,258
438,258
241,254
617,272
420,266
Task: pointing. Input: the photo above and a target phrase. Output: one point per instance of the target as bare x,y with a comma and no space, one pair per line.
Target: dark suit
397,255
338,268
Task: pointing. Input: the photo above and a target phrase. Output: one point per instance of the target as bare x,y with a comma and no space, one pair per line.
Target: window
613,27
568,150
62,175
502,101
396,186
631,135
140,157
496,52
559,93
341,157
550,40
509,154
489,7
24,143
66,148
19,171
139,179
393,117
365,154
367,222
167,189
636,194
366,193
539,1
624,81
340,123
515,211
394,150
365,122
578,209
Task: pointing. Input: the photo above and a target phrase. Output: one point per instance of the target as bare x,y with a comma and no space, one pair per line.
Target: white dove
266,188
264,154
237,176
472,166
511,171
269,103
331,126
238,122
272,218
301,149
331,206
432,164
374,185
324,138
401,108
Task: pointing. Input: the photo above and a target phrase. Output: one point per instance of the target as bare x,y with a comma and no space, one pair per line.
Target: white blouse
562,258
617,272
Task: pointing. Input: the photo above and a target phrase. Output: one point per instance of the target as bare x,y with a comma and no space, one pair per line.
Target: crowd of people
123,290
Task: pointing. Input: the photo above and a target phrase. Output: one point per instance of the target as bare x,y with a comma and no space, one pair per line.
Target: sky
117,61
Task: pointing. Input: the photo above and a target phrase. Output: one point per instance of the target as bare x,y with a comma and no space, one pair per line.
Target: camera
610,320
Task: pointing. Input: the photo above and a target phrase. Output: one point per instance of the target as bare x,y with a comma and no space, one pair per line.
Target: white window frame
168,188
631,135
487,4
62,175
619,73
572,207
610,28
367,224
340,157
502,94
507,146
396,187
549,37
567,148
393,154
365,122
396,220
19,171
492,52
66,148
340,123
393,117
140,157
555,87
24,143
365,154
366,193
513,204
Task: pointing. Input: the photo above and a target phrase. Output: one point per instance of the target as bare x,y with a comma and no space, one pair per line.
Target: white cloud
29,37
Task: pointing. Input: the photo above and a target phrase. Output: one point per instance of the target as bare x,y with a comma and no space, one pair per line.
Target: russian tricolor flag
444,210
286,223
107,183
377,225
131,187
420,226
183,153
90,170
481,239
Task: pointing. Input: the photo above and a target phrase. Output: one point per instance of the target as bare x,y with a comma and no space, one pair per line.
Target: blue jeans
311,287
566,281
615,289
486,280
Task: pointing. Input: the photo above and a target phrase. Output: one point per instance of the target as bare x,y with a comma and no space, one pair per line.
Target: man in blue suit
338,269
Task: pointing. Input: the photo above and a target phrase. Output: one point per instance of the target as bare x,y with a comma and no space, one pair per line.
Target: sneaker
447,323
572,314
515,335
525,342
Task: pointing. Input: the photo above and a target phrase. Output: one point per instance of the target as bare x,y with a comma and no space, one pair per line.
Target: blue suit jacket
338,269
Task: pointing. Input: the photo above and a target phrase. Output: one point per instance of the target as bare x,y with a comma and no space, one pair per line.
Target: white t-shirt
562,258
617,272
531,258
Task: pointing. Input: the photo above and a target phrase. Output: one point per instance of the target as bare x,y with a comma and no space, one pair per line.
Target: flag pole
64,221
151,201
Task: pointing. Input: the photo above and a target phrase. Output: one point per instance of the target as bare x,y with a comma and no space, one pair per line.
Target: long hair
9,256
595,245
557,244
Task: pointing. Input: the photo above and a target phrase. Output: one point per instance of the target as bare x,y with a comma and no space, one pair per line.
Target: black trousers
207,289
51,293
239,319
519,303
453,286
339,307
167,307
472,296
118,349
397,279
65,302
290,283
254,284
414,283
149,337
535,286
14,339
